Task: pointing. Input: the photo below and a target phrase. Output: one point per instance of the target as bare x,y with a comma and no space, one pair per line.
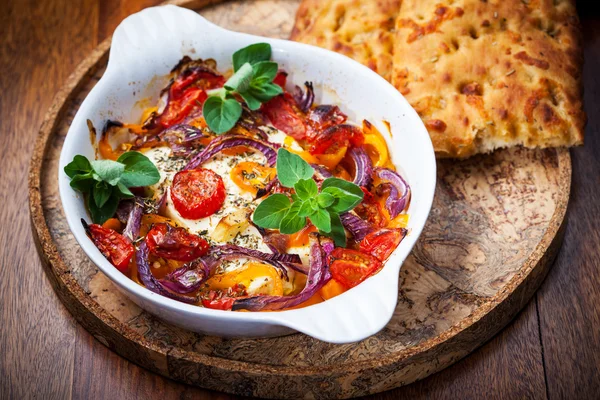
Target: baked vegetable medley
234,193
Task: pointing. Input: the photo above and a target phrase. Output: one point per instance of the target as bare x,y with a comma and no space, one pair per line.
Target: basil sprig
252,81
105,182
322,208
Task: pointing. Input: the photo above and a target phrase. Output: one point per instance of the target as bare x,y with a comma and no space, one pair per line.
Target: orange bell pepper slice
251,176
331,289
376,146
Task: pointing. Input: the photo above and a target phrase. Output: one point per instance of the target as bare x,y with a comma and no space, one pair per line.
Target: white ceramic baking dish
145,47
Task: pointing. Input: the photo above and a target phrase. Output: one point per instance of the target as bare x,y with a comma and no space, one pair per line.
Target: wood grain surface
551,350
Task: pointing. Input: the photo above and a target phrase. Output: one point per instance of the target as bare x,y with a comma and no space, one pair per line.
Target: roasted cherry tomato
197,193
328,141
351,267
285,115
224,303
222,299
372,210
114,246
175,243
382,242
177,109
280,79
325,116
187,92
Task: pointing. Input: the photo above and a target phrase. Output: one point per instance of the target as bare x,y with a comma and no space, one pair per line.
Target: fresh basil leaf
101,192
264,71
101,214
139,170
240,81
322,220
291,168
221,114
344,185
108,171
79,166
324,199
306,189
124,191
347,195
292,222
344,201
252,102
271,211
265,91
338,234
251,54
82,183
306,208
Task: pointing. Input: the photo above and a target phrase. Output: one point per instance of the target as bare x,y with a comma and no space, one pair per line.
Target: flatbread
362,30
489,74
482,74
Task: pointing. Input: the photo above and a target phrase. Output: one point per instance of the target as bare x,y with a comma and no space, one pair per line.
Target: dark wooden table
551,350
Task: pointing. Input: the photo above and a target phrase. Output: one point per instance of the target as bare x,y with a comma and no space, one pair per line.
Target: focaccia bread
482,74
360,29
489,74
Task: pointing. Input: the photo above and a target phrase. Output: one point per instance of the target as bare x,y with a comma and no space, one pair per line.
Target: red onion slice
318,276
182,138
188,278
150,282
228,141
134,220
231,251
363,167
399,191
304,99
358,227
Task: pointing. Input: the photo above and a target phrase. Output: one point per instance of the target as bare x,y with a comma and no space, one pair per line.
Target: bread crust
482,74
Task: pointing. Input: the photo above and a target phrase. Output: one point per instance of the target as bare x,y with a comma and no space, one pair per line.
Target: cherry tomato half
114,246
382,242
224,303
197,193
177,109
330,139
175,243
372,210
284,115
351,267
281,79
222,300
187,92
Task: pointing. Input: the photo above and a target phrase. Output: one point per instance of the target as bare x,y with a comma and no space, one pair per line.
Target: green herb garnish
105,182
322,208
252,81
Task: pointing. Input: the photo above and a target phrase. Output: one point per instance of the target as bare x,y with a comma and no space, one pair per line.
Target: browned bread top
362,30
482,74
490,74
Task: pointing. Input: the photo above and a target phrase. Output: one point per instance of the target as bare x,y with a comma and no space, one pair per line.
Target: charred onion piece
304,99
363,167
399,191
227,141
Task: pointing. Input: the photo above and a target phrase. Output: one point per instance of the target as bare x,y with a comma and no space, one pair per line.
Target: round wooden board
494,230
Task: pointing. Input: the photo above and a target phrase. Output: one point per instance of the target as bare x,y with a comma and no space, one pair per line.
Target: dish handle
352,316
153,30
